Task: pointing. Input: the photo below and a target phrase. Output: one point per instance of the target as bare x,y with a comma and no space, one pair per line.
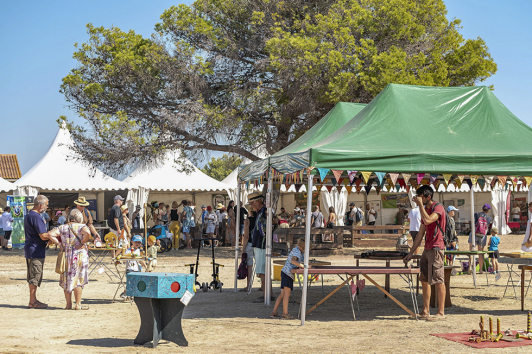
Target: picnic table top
357,270
390,258
516,254
312,262
467,252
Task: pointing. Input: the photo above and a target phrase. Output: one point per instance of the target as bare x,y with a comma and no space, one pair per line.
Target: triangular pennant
474,179
397,187
346,181
527,180
469,183
446,178
368,186
332,180
323,172
425,182
433,177
393,177
340,181
489,179
378,190
337,174
352,175
358,189
436,184
461,178
420,177
402,182
407,189
298,187
502,180
339,188
380,176
494,182
301,175
382,182
406,177
366,175
358,181
458,183
349,188
329,188
481,183
319,187
514,180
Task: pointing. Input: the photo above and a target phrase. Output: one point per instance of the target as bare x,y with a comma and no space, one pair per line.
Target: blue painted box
159,285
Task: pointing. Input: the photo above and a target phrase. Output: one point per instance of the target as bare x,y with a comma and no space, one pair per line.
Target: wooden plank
379,227
330,294
326,252
376,236
375,243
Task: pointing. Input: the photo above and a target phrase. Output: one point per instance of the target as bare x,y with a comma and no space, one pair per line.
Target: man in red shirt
432,259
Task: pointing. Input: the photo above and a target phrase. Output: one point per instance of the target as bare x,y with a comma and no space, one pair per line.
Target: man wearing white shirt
7,225
414,218
516,213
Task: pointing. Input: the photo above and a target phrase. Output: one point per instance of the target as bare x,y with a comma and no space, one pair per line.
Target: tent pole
237,233
268,270
472,265
307,249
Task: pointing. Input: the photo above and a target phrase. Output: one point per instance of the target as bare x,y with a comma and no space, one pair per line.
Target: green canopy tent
414,129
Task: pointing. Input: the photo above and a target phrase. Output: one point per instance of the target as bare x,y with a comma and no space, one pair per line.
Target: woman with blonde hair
175,227
74,236
127,226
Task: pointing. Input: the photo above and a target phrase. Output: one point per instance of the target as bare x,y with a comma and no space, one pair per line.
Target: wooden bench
376,236
285,239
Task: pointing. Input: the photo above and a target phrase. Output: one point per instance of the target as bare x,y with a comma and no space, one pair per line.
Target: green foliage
219,168
239,76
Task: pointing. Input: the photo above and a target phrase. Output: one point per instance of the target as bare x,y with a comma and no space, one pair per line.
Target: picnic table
347,273
472,265
516,257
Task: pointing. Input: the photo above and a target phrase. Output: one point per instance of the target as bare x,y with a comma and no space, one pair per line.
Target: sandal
435,318
37,305
274,315
82,307
287,317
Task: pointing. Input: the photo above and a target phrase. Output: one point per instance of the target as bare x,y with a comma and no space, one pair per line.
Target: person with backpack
480,232
452,244
414,219
355,215
433,222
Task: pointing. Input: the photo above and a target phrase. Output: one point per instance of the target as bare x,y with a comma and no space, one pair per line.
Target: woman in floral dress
186,223
74,235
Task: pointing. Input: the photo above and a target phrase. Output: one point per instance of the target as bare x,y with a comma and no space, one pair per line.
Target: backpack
243,267
376,214
348,220
447,235
481,228
358,215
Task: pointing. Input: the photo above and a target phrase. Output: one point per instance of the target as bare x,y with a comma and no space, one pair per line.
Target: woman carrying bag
74,236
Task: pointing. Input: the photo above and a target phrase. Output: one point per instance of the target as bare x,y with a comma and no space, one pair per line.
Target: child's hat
152,238
137,238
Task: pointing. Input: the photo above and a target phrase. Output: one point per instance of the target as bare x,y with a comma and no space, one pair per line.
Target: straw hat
81,201
255,196
219,206
123,207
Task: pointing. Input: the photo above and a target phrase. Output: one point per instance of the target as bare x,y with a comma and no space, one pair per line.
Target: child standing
135,266
152,252
495,240
294,260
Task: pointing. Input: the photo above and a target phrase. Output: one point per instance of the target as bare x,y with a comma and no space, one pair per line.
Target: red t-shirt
431,241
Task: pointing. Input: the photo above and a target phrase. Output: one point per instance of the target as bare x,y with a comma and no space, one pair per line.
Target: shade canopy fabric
295,156
167,177
6,186
59,170
417,129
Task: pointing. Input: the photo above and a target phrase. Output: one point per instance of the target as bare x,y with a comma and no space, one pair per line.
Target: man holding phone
433,257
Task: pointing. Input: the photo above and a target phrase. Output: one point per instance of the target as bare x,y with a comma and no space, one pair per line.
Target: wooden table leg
330,294
389,295
357,278
417,278
522,289
387,279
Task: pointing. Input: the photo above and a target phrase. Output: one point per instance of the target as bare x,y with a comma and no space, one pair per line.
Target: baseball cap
152,238
137,238
137,207
118,197
203,206
209,208
486,206
451,208
352,204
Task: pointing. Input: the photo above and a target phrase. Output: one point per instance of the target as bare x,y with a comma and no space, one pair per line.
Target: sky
37,41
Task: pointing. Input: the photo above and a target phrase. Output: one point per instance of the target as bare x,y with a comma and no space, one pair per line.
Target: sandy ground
231,322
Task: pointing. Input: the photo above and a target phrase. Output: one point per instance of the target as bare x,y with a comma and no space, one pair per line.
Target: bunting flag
406,177
414,184
397,187
469,183
494,182
481,183
489,179
366,175
407,189
461,178
458,183
474,179
329,188
378,190
420,177
352,175
380,176
339,188
301,176
346,181
402,182
433,177
425,182
436,184
367,188
446,178
337,174
323,172
393,177
319,187
298,187
349,189
309,171
358,189
358,181
382,182
518,187
514,181
502,180
527,180
340,180
332,180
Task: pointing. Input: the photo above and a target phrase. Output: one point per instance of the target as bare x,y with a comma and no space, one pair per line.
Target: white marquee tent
6,186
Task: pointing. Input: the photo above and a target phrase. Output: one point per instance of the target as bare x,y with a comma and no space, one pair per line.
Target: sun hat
123,207
152,238
81,201
255,196
117,197
451,208
209,208
59,212
219,206
137,238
